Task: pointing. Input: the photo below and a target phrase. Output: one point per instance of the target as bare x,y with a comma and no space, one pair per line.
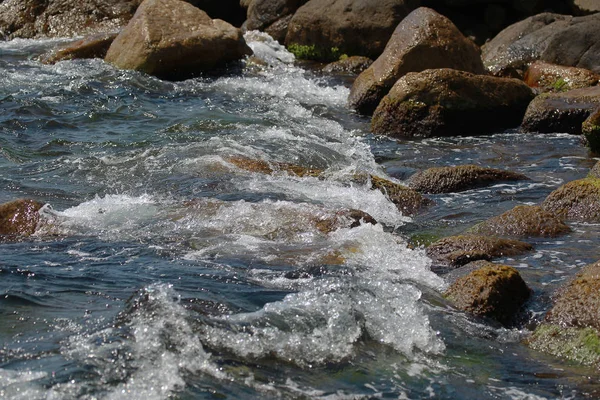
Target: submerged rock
522,221
561,112
591,131
344,219
423,40
492,291
576,201
175,40
19,217
459,178
94,46
447,102
558,78
407,200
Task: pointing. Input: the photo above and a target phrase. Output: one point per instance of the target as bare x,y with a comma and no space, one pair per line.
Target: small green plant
559,85
312,52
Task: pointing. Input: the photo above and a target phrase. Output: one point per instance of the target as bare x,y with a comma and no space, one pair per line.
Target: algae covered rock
407,200
576,200
591,131
94,46
19,217
492,291
581,345
522,221
559,78
459,178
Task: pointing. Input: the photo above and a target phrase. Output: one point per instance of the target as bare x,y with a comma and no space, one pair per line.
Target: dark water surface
164,271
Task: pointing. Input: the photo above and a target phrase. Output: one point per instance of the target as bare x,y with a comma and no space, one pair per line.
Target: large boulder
492,291
19,217
555,38
352,27
561,112
447,102
174,40
459,178
62,18
522,221
548,77
576,201
423,40
271,16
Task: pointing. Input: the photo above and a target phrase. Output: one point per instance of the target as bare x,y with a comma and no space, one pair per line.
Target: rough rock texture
446,102
522,221
94,46
558,39
271,16
174,40
19,217
355,27
349,65
561,112
423,40
344,219
576,201
407,200
62,18
493,291
459,178
227,10
581,345
557,78
595,171
582,7
591,131
460,250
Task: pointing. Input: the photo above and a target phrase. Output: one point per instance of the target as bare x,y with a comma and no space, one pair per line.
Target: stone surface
557,78
94,46
446,102
561,112
522,221
582,7
349,65
423,40
459,178
271,16
591,131
19,217
174,40
576,201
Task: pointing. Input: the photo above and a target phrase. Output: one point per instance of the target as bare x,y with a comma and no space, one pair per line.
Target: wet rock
19,217
581,345
576,201
557,78
423,40
407,200
459,178
175,40
460,250
263,167
583,7
352,27
94,46
591,131
522,221
271,16
349,65
493,291
446,102
62,18
595,171
344,219
561,112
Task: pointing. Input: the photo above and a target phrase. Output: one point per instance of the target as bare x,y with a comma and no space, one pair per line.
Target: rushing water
165,271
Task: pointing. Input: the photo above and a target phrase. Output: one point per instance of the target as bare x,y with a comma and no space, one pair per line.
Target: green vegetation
312,52
581,345
559,85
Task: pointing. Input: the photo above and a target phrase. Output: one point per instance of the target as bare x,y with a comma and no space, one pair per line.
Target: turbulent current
161,269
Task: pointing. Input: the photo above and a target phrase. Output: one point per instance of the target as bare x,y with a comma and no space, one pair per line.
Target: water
164,271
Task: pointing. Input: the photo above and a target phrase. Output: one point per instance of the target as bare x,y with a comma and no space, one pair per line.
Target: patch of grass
312,52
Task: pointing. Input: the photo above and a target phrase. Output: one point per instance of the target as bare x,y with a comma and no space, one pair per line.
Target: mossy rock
407,200
577,200
264,167
459,178
344,219
591,131
595,171
493,291
522,221
19,217
460,250
581,345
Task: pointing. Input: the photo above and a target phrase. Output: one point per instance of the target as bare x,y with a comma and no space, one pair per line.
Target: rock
576,201
493,291
175,40
62,18
350,65
352,27
19,217
94,46
555,38
595,171
459,178
423,40
407,200
581,345
583,7
557,78
446,102
522,221
271,16
344,219
459,250
591,131
263,167
561,112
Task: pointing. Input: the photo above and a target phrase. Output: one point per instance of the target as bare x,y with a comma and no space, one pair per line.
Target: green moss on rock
581,345
577,200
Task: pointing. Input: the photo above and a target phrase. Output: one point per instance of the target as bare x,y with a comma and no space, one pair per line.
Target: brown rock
557,78
271,16
446,102
591,131
407,200
344,219
423,40
349,65
595,171
94,46
19,217
175,40
576,201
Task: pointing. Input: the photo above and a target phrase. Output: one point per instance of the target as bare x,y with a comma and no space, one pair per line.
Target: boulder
456,251
352,27
584,7
62,18
447,102
271,16
522,221
561,112
492,291
174,40
555,38
407,200
94,46
576,201
344,219
19,217
423,40
348,65
591,131
595,171
459,178
557,78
